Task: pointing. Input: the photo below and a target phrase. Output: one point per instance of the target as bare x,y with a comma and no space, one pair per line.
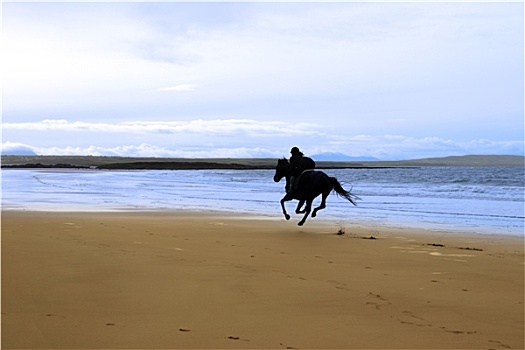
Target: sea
469,199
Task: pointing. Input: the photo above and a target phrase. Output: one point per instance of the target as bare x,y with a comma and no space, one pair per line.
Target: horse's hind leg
322,205
307,210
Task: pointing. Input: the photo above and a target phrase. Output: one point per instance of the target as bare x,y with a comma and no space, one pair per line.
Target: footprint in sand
376,296
296,277
468,248
339,285
55,315
411,315
379,301
503,345
457,331
234,337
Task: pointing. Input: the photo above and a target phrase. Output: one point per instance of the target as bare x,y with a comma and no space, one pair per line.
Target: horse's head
282,169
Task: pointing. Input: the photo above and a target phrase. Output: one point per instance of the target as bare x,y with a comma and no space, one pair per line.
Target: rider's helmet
295,151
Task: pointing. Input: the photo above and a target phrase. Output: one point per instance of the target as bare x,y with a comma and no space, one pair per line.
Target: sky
390,80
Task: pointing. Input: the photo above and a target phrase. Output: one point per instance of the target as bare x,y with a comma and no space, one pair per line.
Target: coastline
115,162
164,279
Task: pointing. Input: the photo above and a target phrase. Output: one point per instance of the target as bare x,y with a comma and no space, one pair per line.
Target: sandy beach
164,280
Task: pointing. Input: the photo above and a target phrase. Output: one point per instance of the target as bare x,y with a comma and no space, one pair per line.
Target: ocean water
473,199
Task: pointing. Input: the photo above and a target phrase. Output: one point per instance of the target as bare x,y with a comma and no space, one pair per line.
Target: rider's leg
291,185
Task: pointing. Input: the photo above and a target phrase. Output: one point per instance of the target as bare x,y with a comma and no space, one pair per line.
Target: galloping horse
311,184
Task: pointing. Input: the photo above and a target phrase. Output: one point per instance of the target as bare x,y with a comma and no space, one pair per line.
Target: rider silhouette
299,164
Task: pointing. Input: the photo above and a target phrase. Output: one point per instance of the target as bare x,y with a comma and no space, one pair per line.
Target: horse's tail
352,198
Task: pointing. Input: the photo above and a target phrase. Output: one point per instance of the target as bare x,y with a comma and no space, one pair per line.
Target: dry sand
171,280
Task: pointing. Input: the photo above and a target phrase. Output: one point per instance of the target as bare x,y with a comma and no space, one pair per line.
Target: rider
299,164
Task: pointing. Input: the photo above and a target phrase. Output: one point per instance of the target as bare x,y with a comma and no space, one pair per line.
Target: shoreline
208,280
327,220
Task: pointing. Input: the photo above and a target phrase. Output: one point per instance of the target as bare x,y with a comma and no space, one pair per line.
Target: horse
310,185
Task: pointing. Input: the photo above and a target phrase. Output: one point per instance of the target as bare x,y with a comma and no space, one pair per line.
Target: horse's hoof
301,223
314,215
287,217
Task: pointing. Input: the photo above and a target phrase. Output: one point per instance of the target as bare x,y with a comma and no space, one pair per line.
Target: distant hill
468,160
340,157
20,151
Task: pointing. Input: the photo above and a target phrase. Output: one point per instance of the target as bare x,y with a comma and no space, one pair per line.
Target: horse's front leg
287,197
307,210
299,205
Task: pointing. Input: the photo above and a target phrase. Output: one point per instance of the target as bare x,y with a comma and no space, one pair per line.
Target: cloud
224,127
408,147
387,147
148,150
234,138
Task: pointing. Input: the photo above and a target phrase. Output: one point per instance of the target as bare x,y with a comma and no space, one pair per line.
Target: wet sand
159,280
